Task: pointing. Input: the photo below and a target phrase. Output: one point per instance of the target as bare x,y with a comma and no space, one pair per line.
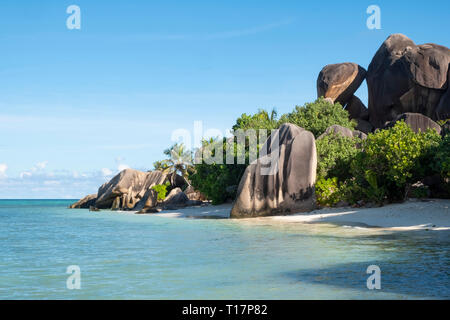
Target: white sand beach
433,214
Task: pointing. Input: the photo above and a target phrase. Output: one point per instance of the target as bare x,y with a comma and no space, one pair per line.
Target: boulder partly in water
127,189
85,203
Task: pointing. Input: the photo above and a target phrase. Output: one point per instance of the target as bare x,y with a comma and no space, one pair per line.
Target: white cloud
60,184
3,168
25,174
106,172
122,167
41,165
38,168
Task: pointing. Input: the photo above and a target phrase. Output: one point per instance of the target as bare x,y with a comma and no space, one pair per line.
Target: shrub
260,120
441,161
327,191
391,160
330,191
440,165
318,116
161,190
335,154
218,181
215,180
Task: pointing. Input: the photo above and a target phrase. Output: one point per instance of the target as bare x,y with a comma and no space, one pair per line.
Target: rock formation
178,199
417,122
405,77
340,81
176,181
85,203
175,197
126,189
148,203
343,131
193,194
364,126
132,190
356,109
443,109
289,189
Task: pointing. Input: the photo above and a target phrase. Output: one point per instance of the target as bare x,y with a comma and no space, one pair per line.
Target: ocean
121,255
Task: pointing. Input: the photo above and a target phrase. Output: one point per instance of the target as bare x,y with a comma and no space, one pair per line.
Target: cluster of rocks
404,80
132,190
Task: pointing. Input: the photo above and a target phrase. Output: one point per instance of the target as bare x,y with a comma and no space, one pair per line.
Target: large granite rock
177,181
405,77
340,81
193,194
289,189
443,109
343,131
177,199
176,196
126,189
445,129
356,109
364,126
417,122
148,203
85,203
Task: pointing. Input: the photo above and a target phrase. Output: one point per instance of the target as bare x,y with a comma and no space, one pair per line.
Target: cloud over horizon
38,182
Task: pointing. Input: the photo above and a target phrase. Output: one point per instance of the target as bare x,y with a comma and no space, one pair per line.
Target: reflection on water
128,256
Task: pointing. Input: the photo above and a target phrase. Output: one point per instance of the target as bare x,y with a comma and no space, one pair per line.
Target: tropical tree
179,161
317,116
260,120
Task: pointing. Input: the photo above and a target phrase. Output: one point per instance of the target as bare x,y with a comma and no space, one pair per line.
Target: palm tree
179,162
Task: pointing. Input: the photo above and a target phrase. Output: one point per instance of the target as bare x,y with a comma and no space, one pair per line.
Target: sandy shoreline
411,215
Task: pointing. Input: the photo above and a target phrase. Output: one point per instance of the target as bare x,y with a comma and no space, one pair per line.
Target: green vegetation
440,165
161,190
441,161
334,156
318,116
392,160
260,120
335,153
327,191
380,169
218,181
179,161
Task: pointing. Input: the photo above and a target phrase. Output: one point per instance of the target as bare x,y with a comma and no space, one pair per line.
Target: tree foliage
161,190
335,153
318,116
391,160
260,120
217,181
179,161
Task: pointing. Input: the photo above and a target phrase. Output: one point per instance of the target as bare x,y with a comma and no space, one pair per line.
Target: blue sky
78,105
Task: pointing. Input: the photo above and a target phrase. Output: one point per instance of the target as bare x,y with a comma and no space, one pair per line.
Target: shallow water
127,256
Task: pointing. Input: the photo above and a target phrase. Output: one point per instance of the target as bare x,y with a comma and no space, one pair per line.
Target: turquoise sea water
127,256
